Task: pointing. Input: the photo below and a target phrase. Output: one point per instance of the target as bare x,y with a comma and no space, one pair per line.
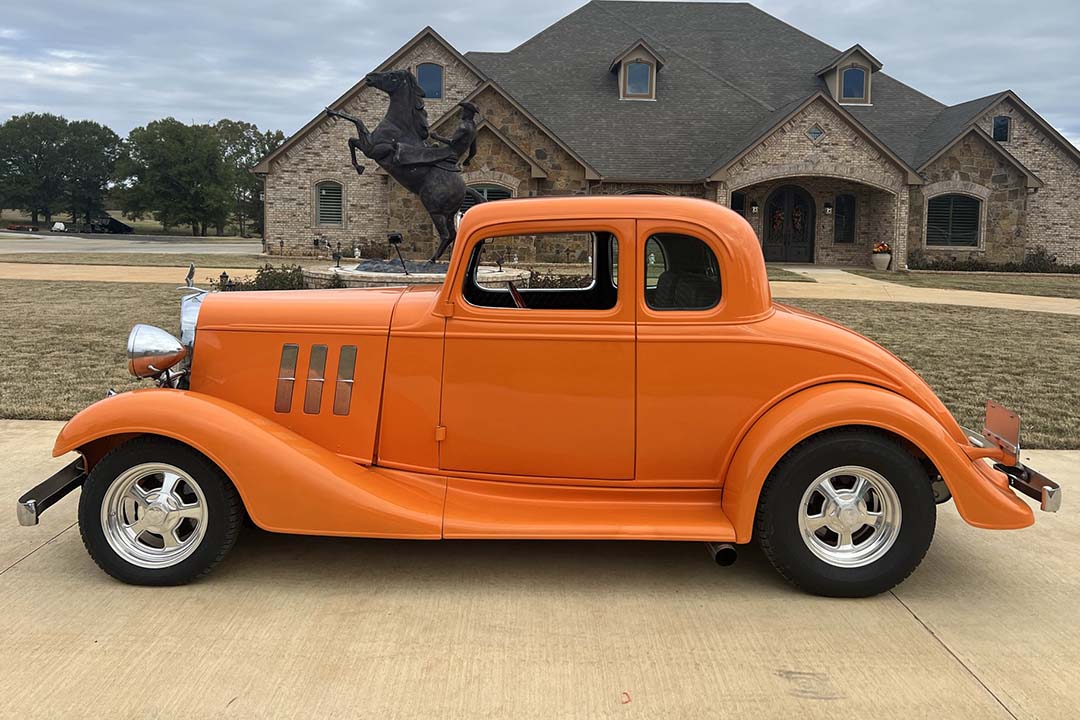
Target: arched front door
789,225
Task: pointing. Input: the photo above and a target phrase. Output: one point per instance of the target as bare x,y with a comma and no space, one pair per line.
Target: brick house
820,150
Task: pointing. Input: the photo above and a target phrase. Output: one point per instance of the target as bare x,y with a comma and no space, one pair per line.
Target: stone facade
972,167
1052,217
1020,211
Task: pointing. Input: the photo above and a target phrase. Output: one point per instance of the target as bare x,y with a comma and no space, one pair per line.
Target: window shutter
952,221
329,206
488,192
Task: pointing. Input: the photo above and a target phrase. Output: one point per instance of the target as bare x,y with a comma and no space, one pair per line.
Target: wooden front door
789,225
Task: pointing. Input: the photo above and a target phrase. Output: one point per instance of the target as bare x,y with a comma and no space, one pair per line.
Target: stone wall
373,204
1052,220
972,167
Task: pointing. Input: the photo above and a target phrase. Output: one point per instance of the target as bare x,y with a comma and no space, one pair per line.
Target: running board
477,509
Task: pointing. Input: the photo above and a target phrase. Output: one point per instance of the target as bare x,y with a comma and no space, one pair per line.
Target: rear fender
982,495
288,483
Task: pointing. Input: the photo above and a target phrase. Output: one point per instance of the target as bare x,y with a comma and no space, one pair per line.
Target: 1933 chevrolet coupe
658,393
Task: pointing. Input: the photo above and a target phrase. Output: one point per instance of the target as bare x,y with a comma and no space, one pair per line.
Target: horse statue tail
475,195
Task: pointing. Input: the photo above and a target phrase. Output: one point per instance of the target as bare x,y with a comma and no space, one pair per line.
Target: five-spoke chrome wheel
154,515
849,516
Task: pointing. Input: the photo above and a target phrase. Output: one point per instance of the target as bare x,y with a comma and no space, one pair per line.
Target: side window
548,271
681,273
655,262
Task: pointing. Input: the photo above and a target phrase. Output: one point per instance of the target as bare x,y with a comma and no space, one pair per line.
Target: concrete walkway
834,283
115,273
831,283
299,627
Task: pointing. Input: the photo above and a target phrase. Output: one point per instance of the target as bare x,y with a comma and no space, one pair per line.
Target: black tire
777,522
224,511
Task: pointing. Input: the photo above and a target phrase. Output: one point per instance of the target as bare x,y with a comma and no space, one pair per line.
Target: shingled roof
730,72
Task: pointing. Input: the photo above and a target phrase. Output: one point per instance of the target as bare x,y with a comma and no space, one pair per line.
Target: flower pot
881,260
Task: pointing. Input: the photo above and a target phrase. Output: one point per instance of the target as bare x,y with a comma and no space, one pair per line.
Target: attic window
853,84
815,133
1002,125
430,77
638,80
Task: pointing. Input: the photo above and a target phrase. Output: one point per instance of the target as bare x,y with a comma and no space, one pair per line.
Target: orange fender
982,495
288,484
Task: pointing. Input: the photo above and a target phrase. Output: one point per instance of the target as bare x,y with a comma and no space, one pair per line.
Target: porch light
753,207
828,208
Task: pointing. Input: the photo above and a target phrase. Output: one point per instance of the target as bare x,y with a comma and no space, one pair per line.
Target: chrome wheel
154,515
849,516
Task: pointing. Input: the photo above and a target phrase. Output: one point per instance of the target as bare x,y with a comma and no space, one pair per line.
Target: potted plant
882,255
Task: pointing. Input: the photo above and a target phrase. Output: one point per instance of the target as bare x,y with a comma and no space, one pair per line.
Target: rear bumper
43,496
1033,484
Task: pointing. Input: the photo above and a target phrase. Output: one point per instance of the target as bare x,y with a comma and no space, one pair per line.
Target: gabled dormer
636,68
849,76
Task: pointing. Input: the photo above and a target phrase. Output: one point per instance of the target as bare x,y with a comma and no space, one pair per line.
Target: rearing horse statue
398,145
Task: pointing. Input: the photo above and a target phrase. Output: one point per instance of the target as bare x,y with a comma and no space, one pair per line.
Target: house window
1002,125
738,203
430,77
328,203
488,192
844,219
953,221
853,84
637,79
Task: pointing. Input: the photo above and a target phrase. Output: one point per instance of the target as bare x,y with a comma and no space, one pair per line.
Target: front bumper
43,496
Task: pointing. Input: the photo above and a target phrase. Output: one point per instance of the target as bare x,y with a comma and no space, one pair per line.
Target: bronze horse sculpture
398,146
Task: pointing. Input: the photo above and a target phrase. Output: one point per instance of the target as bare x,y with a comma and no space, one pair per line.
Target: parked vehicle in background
659,395
59,227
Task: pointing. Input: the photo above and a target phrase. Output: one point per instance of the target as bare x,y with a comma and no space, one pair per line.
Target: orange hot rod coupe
658,393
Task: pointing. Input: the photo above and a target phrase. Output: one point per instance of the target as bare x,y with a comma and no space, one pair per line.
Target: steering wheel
519,302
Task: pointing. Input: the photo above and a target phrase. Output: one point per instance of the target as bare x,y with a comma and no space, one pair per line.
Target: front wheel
847,514
156,512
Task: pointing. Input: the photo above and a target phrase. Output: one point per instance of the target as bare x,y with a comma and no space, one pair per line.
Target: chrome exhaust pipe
724,554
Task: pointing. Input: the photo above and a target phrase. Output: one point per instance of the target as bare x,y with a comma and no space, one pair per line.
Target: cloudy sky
276,62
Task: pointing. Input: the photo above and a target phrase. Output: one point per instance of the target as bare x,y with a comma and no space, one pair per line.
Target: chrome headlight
152,351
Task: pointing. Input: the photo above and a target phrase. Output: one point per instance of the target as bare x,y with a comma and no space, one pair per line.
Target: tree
242,147
90,151
175,171
33,163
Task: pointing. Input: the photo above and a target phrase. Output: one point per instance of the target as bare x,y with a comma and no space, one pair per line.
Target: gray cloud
275,63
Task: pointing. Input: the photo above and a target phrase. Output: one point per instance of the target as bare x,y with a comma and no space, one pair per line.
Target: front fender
982,495
288,483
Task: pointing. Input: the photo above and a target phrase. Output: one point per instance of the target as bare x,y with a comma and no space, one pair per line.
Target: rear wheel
847,514
156,512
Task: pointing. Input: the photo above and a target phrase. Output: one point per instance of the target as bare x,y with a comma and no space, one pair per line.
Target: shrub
1037,260
268,277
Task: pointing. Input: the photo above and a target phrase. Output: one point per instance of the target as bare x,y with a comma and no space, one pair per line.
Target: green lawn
782,275
62,345
1028,361
220,260
1050,286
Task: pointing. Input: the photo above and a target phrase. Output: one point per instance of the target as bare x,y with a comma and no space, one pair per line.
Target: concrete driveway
14,242
988,627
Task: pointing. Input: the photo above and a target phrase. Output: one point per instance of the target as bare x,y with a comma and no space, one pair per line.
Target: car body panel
288,483
981,494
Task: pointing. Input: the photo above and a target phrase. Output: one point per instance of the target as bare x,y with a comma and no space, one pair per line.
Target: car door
544,392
